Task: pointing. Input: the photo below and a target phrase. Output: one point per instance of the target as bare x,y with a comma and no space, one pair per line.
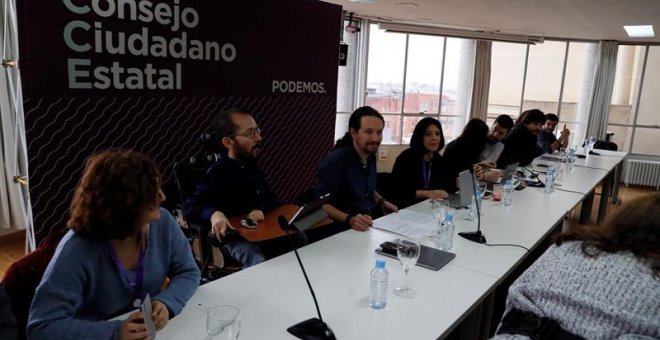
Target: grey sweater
610,296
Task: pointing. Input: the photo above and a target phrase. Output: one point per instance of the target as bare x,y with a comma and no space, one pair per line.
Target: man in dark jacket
234,186
520,145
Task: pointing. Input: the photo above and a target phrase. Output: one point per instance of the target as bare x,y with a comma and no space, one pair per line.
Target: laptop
464,197
508,171
310,213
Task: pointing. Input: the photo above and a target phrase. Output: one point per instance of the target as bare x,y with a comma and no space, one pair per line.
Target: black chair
606,145
186,175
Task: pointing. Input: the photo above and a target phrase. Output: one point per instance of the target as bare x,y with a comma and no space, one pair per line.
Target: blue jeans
242,250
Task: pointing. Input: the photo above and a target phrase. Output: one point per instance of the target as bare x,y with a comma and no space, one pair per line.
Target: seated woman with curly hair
121,246
596,283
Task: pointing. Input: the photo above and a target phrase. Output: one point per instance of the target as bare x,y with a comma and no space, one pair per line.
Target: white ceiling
568,19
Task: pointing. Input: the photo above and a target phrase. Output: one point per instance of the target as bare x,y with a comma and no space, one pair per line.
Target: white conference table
273,295
589,172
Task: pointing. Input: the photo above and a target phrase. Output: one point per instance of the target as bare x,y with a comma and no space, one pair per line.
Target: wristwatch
347,220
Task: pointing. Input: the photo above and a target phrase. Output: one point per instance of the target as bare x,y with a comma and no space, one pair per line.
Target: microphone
475,236
539,183
314,328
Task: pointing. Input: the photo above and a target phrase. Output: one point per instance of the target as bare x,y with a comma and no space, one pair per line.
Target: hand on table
134,328
436,194
160,314
361,222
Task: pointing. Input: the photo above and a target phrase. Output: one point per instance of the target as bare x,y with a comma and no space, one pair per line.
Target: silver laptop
508,171
464,197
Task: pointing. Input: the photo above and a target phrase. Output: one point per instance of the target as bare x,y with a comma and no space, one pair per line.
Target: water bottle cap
380,264
449,217
507,182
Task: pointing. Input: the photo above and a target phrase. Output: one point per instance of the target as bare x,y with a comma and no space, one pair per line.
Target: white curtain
601,93
481,81
15,209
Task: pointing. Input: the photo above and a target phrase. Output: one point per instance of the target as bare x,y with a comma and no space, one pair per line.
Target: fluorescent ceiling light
364,1
639,31
449,32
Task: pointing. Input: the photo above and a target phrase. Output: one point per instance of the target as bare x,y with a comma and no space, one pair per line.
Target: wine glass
223,322
408,252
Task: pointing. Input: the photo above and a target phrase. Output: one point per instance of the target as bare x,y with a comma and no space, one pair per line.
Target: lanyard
426,175
139,270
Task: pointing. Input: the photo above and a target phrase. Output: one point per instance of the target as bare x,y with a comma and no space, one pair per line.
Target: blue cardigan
82,287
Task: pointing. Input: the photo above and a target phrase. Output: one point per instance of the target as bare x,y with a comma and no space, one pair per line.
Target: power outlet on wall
383,154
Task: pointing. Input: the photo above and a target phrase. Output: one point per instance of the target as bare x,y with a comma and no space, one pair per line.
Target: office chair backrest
606,145
24,275
188,173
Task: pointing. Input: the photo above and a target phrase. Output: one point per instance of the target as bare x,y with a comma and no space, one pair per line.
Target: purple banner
151,75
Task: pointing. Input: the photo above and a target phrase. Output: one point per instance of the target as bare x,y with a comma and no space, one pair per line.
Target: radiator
639,172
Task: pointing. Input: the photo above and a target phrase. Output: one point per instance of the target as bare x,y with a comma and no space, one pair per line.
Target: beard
245,153
371,148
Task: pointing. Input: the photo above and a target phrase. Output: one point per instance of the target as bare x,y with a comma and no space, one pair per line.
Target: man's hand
493,175
478,172
256,215
435,194
361,222
159,314
133,328
488,164
219,224
388,207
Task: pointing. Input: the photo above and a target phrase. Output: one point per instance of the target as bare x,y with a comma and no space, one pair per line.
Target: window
634,117
412,76
506,80
545,66
530,77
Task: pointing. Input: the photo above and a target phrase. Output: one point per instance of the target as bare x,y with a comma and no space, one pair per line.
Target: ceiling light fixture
639,31
449,32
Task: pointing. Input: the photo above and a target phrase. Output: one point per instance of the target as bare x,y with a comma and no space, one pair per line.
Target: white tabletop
273,295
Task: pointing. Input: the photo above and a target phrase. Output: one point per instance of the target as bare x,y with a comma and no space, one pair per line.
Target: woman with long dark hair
120,248
463,152
420,172
596,282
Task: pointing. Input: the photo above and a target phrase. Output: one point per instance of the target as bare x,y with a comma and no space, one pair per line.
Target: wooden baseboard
13,236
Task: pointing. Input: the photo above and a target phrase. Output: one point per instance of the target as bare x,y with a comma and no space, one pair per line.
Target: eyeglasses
249,133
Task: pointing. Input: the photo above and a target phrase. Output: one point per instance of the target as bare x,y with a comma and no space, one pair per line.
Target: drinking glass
592,141
482,186
223,322
408,252
497,191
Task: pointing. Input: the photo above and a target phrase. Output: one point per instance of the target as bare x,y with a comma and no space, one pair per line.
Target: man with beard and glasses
234,186
348,173
494,147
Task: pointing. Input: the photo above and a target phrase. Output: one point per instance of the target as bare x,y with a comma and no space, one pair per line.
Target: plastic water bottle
507,191
446,234
550,179
571,159
378,289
